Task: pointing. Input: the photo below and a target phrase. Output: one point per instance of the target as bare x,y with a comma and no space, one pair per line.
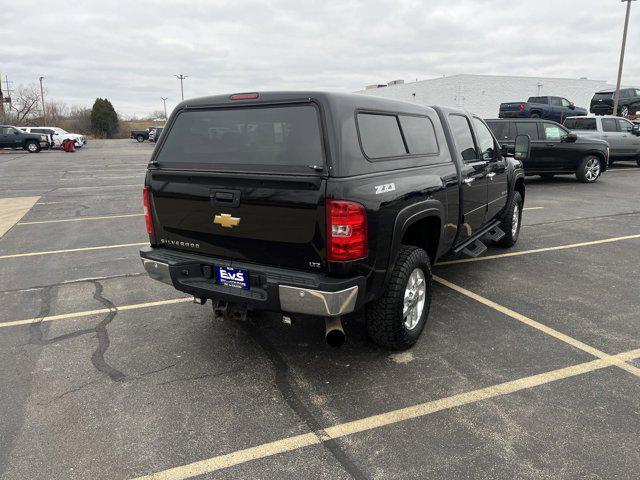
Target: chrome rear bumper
315,302
157,270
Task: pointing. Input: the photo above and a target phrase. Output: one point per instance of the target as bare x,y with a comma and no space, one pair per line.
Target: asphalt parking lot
529,368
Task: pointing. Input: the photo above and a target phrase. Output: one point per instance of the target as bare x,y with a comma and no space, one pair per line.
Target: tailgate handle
228,198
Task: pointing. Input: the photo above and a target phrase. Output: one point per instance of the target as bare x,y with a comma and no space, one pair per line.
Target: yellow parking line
538,250
78,219
540,326
377,421
70,250
99,311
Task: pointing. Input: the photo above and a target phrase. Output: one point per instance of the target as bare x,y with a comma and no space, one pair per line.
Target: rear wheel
32,147
589,169
535,115
397,319
624,111
511,222
140,138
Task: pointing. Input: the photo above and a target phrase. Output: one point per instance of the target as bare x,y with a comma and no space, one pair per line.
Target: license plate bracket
232,277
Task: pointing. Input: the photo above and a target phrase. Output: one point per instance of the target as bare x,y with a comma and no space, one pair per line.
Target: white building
483,94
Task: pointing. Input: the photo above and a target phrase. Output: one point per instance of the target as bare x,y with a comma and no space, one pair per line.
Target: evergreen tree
104,119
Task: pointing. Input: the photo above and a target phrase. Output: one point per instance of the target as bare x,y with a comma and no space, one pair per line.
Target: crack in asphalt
36,335
295,403
72,282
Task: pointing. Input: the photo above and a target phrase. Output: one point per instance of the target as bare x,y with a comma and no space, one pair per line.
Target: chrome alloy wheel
515,220
32,147
414,299
593,169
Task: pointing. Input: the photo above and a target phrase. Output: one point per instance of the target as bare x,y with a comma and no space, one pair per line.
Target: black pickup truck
324,203
13,137
550,108
140,135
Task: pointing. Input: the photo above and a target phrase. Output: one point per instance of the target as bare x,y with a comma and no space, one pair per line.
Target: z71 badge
387,187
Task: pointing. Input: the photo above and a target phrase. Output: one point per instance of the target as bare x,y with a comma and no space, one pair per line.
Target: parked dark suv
628,104
554,149
324,203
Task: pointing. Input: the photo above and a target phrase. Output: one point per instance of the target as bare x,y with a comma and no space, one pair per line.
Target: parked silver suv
622,135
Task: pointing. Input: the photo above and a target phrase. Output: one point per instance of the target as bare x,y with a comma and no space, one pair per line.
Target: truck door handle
227,198
469,181
551,144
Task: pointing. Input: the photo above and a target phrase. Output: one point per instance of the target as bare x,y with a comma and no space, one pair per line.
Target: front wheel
140,138
510,224
624,111
589,169
397,319
33,147
535,115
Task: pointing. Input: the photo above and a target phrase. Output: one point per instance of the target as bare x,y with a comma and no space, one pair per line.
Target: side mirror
572,106
522,147
570,137
16,133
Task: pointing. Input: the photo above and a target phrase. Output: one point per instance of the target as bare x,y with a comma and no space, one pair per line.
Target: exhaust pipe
334,334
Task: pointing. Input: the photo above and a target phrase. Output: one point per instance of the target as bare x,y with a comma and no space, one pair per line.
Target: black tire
140,138
32,147
510,236
588,172
638,161
384,316
624,111
535,115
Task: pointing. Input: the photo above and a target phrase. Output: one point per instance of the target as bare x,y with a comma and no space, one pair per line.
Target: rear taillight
521,106
146,203
346,231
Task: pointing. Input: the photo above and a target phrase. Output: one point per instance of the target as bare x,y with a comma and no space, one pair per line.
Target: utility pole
616,96
7,90
164,101
44,111
181,77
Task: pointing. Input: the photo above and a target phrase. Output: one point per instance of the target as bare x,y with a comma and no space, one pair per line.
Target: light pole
44,112
616,96
164,101
181,77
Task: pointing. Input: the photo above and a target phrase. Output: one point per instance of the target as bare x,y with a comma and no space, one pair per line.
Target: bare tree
25,103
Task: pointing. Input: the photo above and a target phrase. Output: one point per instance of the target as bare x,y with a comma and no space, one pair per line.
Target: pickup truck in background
549,108
622,135
140,135
13,137
325,203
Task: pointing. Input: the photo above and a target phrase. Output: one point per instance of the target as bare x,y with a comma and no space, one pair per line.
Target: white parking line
138,185
70,250
539,326
532,208
78,219
538,250
373,422
87,313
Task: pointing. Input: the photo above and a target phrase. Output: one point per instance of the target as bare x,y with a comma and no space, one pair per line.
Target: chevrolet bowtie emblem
227,221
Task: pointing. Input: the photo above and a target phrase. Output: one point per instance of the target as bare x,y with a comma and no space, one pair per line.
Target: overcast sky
129,51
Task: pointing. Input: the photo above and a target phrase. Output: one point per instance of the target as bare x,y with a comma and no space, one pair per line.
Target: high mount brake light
146,203
346,231
244,96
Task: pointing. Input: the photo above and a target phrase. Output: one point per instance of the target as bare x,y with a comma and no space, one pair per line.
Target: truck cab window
556,102
565,102
625,125
488,150
461,131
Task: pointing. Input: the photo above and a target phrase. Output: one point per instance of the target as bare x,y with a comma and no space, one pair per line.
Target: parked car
325,203
59,135
554,149
550,108
43,131
621,134
13,137
141,135
154,134
628,103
